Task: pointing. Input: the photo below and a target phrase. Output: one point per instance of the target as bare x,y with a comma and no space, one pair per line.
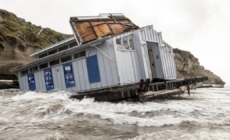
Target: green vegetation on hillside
17,29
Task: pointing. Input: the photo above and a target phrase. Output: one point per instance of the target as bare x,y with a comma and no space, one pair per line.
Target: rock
18,39
1,48
188,66
21,35
1,19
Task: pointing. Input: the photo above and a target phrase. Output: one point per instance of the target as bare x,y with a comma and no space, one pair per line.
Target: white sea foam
175,135
33,106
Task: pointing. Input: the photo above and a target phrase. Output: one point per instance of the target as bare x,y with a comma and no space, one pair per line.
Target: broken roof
88,28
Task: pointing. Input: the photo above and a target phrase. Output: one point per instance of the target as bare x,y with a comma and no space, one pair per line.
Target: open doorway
153,53
152,63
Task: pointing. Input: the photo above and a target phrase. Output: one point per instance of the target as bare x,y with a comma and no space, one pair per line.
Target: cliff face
18,39
188,66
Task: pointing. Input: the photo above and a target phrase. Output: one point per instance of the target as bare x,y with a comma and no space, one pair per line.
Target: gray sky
199,26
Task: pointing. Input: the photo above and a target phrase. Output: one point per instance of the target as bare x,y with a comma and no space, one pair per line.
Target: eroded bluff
188,65
18,39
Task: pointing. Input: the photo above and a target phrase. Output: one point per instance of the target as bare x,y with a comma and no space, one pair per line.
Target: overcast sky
199,26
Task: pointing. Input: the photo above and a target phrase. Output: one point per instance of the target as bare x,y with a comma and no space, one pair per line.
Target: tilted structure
106,51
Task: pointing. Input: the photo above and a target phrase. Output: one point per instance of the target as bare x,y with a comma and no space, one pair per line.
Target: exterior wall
23,82
116,66
128,68
38,76
165,66
168,65
107,68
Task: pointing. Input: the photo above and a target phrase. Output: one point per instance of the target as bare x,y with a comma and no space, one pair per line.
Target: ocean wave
175,135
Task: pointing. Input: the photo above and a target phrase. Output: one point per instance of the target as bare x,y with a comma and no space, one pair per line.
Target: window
118,41
73,44
52,52
169,49
67,58
63,48
79,54
131,44
42,66
33,68
54,62
24,72
42,55
165,49
126,42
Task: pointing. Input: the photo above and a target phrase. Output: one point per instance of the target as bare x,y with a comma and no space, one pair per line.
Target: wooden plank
85,31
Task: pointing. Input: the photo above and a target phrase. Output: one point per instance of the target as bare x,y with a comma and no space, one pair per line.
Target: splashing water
35,115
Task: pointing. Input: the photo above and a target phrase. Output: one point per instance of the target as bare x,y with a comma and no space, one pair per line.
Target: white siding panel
107,65
103,74
85,74
20,81
59,74
81,76
113,63
25,79
36,77
42,80
55,80
62,77
76,76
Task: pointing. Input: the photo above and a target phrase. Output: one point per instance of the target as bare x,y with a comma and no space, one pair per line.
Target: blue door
68,75
48,79
93,69
31,82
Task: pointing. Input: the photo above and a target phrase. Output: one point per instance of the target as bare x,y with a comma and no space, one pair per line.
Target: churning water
49,116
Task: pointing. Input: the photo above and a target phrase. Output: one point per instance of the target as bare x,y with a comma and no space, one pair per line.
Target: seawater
54,116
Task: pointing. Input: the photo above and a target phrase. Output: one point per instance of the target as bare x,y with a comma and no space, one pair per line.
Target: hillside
188,65
19,38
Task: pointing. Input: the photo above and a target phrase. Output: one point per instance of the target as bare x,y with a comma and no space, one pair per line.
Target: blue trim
31,82
48,79
68,75
93,69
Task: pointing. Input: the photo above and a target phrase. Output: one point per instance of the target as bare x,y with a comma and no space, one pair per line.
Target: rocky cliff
188,66
19,38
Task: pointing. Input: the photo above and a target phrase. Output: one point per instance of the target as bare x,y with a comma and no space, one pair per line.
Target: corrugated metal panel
37,81
165,66
107,63
20,81
25,83
137,47
125,60
135,66
77,76
54,72
59,75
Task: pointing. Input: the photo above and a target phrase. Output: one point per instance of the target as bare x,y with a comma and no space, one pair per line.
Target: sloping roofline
59,54
54,45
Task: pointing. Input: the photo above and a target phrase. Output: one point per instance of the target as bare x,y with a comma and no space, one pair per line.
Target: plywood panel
85,31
